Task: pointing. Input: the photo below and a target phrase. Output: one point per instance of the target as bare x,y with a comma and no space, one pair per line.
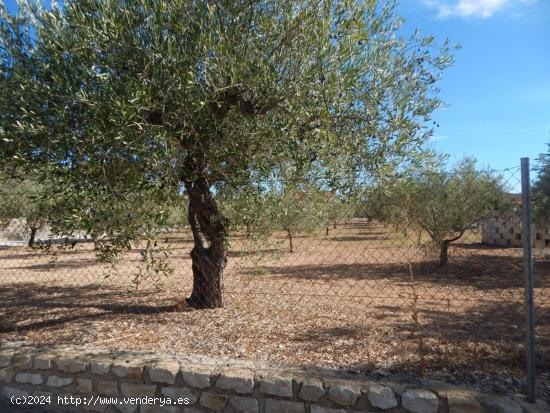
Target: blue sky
498,91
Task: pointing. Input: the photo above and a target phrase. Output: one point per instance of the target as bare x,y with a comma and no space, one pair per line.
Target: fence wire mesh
354,290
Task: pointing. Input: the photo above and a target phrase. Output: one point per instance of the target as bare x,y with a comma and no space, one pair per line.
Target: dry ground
345,299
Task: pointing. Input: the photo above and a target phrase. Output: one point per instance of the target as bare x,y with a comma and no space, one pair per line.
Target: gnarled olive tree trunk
290,243
444,252
32,237
209,253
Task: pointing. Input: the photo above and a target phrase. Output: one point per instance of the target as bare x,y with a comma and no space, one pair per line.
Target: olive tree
204,94
445,204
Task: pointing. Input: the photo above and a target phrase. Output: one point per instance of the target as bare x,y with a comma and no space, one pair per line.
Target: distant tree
116,219
389,202
336,208
445,204
300,209
25,195
541,190
249,209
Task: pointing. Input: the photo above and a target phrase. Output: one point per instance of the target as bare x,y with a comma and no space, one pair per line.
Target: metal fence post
529,278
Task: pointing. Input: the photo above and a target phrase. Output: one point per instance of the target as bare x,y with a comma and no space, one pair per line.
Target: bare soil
361,297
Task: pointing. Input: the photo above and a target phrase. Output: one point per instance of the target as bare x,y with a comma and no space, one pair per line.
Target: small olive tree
445,204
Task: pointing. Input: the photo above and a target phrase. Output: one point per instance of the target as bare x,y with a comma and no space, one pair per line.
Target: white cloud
472,8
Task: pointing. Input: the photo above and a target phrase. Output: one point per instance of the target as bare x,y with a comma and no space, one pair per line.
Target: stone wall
100,380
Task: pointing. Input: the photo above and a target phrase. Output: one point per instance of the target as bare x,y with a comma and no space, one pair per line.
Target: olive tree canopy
194,95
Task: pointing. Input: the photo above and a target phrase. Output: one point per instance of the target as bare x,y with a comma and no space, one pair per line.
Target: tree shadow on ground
483,272
234,253
31,306
57,265
357,237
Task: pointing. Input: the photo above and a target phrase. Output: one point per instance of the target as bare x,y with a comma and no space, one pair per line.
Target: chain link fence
362,290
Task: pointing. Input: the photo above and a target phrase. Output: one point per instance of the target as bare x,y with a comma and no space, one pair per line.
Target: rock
420,401
461,401
196,376
132,369
70,364
30,378
283,406
44,362
100,366
345,394
23,361
176,393
500,404
381,397
239,380
138,390
109,388
312,389
213,401
164,372
56,381
6,356
274,384
84,385
244,404
7,374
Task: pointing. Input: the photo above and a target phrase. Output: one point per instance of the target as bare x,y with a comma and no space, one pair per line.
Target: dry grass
343,300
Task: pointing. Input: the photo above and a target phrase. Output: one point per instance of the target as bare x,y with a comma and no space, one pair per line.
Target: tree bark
146,252
33,236
209,253
290,244
444,253
419,239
